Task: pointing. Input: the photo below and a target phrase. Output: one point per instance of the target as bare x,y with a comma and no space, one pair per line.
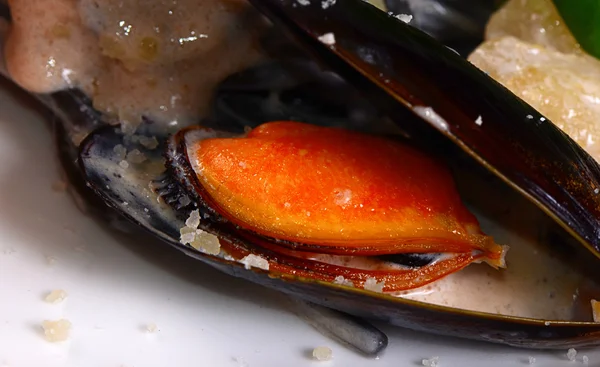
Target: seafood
220,196
316,197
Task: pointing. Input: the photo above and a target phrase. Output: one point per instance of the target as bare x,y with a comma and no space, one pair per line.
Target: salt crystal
121,151
431,362
56,296
327,3
571,354
303,2
187,238
136,157
255,261
479,121
206,242
406,18
343,281
240,361
371,284
151,328
531,360
149,143
342,197
328,39
124,164
322,353
193,220
585,359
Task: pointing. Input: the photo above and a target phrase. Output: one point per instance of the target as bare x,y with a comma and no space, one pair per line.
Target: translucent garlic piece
563,87
534,21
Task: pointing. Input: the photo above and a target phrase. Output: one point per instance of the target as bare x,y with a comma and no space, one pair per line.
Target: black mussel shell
399,67
126,190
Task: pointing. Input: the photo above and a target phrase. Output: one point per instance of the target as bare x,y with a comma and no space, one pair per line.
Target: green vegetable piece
583,19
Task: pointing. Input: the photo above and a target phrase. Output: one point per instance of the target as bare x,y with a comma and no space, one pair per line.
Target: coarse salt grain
206,242
585,359
571,354
327,3
342,196
124,164
371,284
151,328
322,353
479,121
406,18
343,281
193,221
328,39
241,361
56,331
121,151
135,157
56,296
430,362
255,261
531,360
148,143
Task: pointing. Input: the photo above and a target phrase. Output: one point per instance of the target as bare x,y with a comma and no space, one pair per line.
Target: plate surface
117,288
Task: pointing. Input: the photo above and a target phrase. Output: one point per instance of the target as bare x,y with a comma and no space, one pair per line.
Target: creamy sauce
158,58
535,283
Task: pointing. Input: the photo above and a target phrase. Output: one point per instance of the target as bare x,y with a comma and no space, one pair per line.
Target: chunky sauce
158,58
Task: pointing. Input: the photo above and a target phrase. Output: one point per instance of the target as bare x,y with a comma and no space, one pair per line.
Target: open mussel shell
399,67
127,190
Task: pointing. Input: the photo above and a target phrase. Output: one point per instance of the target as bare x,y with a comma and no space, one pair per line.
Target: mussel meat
326,204
369,224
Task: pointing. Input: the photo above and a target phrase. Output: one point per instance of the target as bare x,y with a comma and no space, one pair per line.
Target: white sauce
161,59
534,284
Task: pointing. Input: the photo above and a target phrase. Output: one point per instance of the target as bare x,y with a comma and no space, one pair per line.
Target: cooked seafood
222,198
317,201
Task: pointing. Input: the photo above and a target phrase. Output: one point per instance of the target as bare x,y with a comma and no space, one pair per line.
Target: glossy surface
331,187
397,65
121,193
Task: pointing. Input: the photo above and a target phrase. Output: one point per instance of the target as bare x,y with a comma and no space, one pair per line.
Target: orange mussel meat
326,203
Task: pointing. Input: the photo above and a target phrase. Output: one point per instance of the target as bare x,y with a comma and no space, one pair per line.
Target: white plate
116,288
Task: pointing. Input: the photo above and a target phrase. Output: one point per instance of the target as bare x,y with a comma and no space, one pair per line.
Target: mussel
363,222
